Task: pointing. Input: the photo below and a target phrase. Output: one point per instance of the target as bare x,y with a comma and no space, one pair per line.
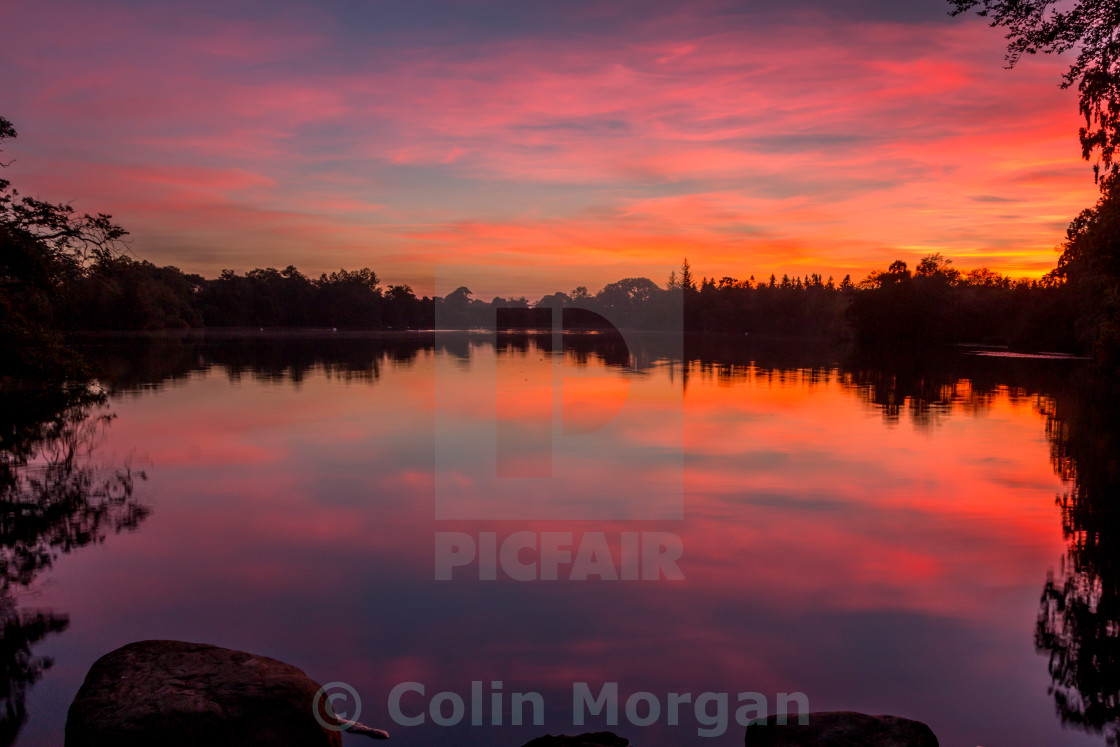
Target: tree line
61,271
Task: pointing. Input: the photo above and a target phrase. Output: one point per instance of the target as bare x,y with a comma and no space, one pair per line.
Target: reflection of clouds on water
873,561
55,498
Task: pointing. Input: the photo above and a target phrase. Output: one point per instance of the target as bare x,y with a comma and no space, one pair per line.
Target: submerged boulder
177,694
841,729
591,739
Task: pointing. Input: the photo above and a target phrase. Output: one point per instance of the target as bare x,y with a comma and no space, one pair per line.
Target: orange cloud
793,144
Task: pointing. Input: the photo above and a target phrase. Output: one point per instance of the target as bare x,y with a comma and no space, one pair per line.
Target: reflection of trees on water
923,389
136,364
1079,615
19,668
54,498
131,364
927,388
145,363
1078,623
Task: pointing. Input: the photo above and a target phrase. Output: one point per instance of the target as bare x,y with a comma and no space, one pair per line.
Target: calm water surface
873,537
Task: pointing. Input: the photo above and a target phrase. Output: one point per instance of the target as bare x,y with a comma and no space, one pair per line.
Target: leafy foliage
1057,26
939,304
1090,268
70,238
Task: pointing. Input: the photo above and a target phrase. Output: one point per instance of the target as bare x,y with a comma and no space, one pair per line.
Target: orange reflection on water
298,521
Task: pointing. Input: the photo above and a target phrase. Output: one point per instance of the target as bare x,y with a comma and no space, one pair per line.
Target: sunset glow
617,136
806,510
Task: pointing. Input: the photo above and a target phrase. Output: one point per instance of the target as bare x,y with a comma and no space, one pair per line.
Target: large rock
591,739
841,729
179,694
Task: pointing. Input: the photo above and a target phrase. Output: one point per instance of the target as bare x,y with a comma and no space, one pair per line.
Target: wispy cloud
792,142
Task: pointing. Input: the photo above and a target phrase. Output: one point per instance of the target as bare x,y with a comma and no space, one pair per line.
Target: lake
568,518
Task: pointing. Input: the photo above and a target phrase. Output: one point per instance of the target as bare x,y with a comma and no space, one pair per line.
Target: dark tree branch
1092,29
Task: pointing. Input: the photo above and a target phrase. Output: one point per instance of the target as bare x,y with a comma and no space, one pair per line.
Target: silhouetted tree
939,304
1053,27
43,246
70,238
1090,267
688,283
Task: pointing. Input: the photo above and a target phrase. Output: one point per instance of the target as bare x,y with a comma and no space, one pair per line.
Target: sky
529,147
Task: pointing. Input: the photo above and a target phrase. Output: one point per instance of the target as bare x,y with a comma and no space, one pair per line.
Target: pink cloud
796,146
